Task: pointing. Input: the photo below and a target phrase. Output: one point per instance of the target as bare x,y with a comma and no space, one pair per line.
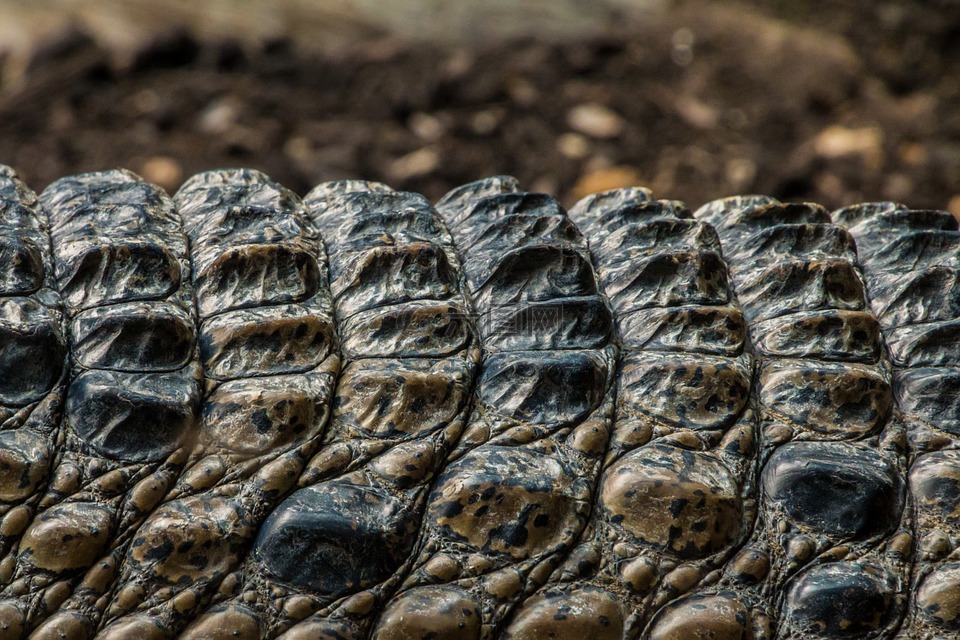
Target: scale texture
236,413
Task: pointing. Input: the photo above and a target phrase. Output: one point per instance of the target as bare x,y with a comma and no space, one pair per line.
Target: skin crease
369,417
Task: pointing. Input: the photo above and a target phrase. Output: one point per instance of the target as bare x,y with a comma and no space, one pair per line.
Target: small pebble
595,120
163,171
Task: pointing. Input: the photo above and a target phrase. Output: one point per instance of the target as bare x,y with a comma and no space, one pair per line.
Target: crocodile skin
675,497
238,414
912,271
121,265
832,533
516,493
33,346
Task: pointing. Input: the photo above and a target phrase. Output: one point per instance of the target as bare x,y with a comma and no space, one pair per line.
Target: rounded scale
509,501
381,275
336,538
565,323
842,600
32,351
13,620
938,597
840,400
686,503
266,341
835,488
91,274
136,417
544,387
703,617
594,614
849,336
712,330
686,390
430,612
67,537
324,629
24,463
935,485
251,416
66,624
189,539
400,398
138,336
422,328
253,275
231,622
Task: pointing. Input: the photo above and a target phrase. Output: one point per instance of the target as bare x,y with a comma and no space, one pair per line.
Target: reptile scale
236,413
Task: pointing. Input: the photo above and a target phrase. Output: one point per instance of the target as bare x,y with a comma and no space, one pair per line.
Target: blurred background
825,100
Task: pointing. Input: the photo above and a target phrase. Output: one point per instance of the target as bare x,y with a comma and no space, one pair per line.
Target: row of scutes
911,266
831,509
239,413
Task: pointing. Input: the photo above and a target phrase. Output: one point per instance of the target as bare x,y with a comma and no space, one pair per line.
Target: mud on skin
236,413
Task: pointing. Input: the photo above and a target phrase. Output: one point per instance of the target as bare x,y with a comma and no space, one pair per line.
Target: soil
827,101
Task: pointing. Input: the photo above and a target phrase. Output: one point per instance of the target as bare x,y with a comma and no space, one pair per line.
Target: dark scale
912,271
121,265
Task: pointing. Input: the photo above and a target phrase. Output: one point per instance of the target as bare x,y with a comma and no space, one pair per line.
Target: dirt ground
831,101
